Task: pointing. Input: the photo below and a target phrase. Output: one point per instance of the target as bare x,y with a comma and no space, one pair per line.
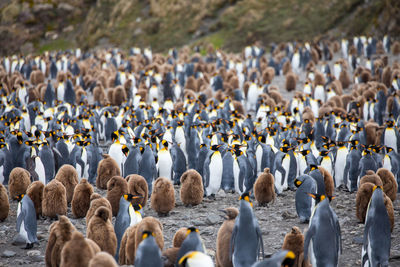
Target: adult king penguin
246,241
26,220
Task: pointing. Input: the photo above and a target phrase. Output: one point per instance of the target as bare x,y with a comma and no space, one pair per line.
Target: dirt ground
275,221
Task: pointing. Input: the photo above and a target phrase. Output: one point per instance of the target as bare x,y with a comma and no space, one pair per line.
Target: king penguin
281,258
246,241
26,220
128,215
192,242
323,238
304,202
340,162
164,164
196,259
376,242
148,253
213,171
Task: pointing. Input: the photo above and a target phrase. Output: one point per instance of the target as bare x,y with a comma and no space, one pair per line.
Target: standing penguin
192,242
147,166
128,215
213,172
164,164
376,243
340,162
304,202
323,238
285,169
148,252
246,241
163,196
26,220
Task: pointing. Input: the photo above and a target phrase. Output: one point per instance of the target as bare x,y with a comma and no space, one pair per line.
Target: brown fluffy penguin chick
54,199
4,203
60,233
396,48
95,203
344,78
389,183
119,96
328,181
191,191
18,182
222,254
68,176
371,177
170,256
163,196
107,169
81,200
78,251
137,186
264,189
117,186
101,230
179,237
127,247
153,225
390,211
102,259
35,192
294,241
291,80
363,196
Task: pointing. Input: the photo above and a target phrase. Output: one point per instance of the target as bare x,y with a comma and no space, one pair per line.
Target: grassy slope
163,24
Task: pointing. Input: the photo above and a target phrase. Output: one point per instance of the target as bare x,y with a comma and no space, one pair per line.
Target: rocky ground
275,220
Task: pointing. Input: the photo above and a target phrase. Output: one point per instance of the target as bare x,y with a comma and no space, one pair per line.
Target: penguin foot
212,197
29,246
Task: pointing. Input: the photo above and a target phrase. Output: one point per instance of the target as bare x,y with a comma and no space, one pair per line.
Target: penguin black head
313,167
146,234
130,197
389,149
297,183
324,153
215,147
19,138
114,136
125,150
289,259
165,143
318,198
192,229
261,138
137,206
20,197
305,152
246,196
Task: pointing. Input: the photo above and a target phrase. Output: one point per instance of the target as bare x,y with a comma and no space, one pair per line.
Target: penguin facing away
148,253
376,242
26,220
323,238
246,241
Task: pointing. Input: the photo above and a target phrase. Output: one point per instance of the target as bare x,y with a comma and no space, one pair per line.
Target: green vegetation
162,24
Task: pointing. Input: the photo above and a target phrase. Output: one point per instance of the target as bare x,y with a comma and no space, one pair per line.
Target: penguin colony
137,123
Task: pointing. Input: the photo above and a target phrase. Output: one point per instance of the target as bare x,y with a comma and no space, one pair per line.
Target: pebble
18,241
358,240
33,253
198,223
288,215
8,254
212,219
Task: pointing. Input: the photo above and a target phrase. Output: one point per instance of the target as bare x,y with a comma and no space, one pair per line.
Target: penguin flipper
20,218
309,234
260,240
82,164
233,238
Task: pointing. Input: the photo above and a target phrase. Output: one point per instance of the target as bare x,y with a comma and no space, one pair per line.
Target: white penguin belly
23,232
1,174
387,163
302,165
327,165
339,165
39,169
164,164
236,171
215,174
390,139
259,153
252,96
319,93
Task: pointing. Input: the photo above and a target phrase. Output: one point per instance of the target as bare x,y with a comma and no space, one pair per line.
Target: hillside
39,25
